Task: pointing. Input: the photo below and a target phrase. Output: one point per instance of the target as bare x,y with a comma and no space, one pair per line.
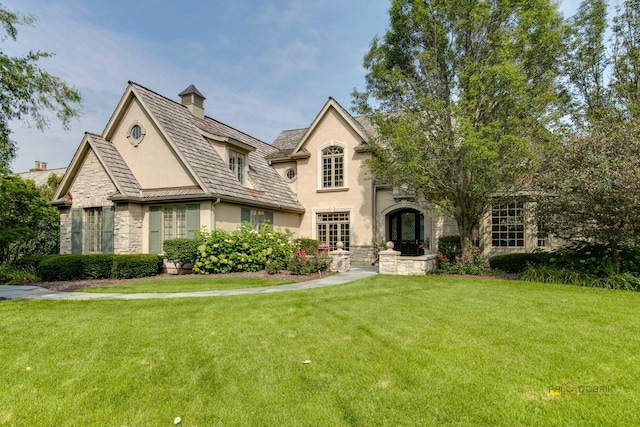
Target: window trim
314,222
233,156
93,232
503,228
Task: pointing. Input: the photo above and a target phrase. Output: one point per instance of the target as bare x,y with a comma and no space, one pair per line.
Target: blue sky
264,66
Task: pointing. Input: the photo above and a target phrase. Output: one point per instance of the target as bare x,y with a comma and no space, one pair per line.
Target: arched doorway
406,231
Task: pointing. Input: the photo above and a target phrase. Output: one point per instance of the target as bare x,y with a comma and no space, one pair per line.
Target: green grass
186,284
383,351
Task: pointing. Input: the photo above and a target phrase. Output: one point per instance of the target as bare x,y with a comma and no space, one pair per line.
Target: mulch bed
81,284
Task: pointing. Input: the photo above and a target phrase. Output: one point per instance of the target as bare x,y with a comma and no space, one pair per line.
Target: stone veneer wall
392,263
127,233
65,231
90,189
362,256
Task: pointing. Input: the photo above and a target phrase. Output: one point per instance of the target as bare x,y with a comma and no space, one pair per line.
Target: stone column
388,260
340,259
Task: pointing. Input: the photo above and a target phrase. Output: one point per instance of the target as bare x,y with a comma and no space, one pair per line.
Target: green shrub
31,262
474,264
181,251
61,268
135,265
517,263
309,246
302,263
242,250
450,247
97,266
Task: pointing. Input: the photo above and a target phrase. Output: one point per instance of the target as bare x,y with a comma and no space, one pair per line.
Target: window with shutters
93,230
172,222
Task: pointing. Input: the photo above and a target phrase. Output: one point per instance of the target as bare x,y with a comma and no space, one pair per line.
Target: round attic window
136,134
290,174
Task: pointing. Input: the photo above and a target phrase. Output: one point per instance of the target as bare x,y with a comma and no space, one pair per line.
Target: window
136,133
236,164
542,240
257,218
290,174
172,222
333,228
507,225
333,167
93,230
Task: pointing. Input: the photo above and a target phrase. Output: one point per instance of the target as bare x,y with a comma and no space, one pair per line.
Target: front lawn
381,351
186,284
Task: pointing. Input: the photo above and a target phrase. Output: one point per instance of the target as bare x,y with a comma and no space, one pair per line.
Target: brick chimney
193,100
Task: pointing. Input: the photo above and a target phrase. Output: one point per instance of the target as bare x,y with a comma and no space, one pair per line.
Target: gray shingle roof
126,183
183,129
288,140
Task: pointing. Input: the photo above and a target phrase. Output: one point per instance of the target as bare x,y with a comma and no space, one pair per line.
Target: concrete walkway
36,292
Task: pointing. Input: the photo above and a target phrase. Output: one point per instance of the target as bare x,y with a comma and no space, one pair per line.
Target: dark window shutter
193,220
245,215
76,231
155,221
108,217
268,217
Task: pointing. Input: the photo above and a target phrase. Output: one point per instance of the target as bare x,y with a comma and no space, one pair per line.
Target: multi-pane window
333,167
93,230
256,217
507,225
174,222
542,241
236,164
333,228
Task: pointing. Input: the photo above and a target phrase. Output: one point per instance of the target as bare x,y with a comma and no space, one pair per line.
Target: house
40,174
162,169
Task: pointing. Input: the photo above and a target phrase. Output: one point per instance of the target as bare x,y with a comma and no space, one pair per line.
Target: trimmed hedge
99,266
517,263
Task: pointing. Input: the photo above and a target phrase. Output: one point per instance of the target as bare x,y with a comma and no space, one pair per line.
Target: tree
29,225
26,90
589,184
460,93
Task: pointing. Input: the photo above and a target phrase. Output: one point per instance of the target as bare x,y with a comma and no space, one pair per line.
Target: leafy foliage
518,262
28,224
26,90
588,186
11,275
450,247
546,274
182,251
303,263
472,262
460,93
243,250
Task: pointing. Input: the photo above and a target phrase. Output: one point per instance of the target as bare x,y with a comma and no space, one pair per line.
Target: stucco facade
162,169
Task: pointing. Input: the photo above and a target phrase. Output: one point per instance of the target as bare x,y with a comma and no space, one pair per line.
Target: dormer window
237,162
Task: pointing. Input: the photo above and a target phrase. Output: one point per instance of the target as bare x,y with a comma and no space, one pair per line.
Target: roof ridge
205,117
237,130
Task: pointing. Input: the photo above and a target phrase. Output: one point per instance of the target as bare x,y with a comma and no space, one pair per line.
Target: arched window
333,167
